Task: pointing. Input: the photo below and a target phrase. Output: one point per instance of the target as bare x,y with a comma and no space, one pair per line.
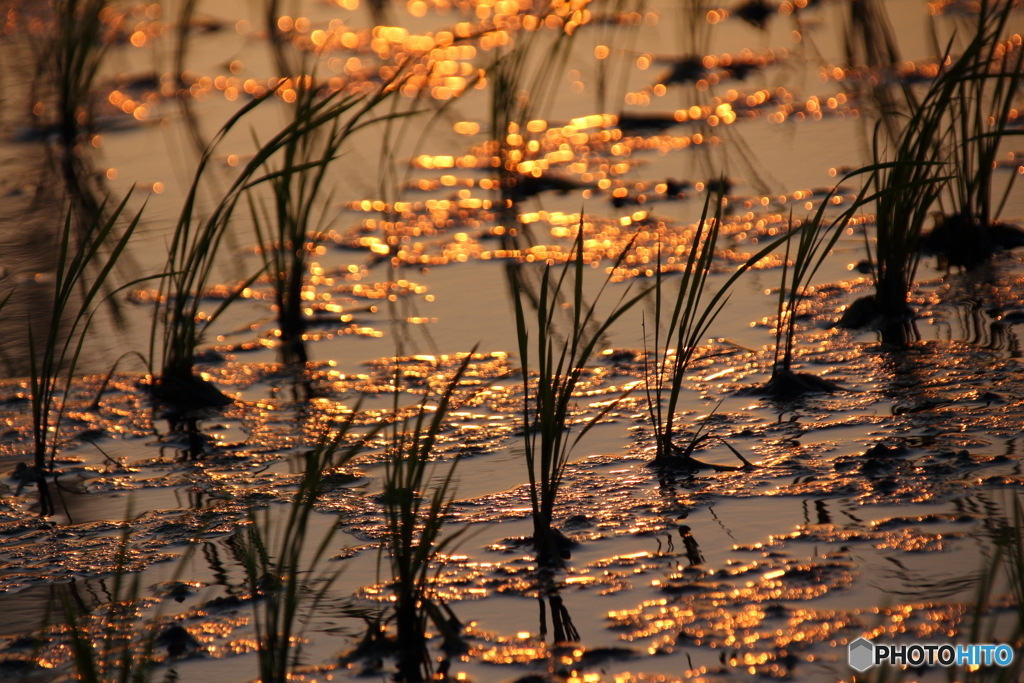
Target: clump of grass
814,238
285,247
687,325
692,314
76,297
979,113
194,245
283,575
910,185
297,179
188,268
413,521
560,360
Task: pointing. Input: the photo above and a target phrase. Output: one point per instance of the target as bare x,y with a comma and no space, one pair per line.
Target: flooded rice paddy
875,510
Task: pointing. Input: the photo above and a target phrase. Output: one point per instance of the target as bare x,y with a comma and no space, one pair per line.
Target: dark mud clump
786,385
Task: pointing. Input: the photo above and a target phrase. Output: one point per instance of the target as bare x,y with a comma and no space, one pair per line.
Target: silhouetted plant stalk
979,114
908,188
692,315
414,520
195,242
286,246
687,324
559,358
76,297
814,240
284,577
75,56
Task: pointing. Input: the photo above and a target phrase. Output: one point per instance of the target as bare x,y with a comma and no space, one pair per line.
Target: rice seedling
909,186
291,226
194,244
815,238
283,575
74,59
413,521
560,361
280,44
691,316
75,300
687,324
979,114
692,27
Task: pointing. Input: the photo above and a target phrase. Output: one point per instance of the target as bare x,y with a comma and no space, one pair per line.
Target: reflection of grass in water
560,358
117,643
126,647
413,520
72,58
985,625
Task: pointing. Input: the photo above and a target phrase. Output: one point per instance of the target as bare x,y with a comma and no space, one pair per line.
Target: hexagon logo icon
862,654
